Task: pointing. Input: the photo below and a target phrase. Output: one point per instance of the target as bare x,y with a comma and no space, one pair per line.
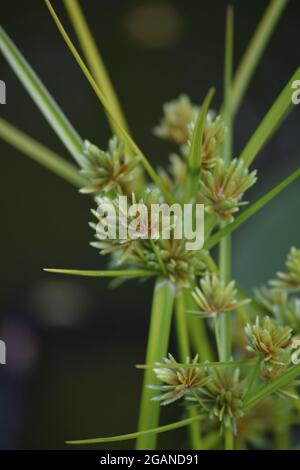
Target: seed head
270,299
215,297
272,341
180,265
107,170
178,114
289,280
222,394
222,189
178,382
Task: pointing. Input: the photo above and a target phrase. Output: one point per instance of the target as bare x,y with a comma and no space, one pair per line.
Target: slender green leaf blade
258,205
223,324
271,121
135,435
255,50
107,106
103,273
41,154
273,386
94,59
194,157
41,96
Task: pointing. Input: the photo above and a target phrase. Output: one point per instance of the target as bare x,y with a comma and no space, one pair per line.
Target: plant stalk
185,352
157,348
223,322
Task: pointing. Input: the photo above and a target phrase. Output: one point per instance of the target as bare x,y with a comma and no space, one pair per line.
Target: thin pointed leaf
271,122
107,106
103,273
41,154
134,435
273,386
223,322
194,156
178,365
227,113
252,210
94,59
255,50
41,96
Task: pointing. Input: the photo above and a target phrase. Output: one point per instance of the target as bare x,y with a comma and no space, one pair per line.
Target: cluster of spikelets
217,390
273,337
116,172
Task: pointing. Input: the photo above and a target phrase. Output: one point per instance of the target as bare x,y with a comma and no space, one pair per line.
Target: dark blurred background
71,342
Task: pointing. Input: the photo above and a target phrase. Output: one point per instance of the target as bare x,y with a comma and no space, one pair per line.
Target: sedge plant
223,383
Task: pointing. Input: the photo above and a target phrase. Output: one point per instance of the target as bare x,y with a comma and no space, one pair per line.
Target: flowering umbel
270,340
215,297
222,189
289,280
107,170
178,382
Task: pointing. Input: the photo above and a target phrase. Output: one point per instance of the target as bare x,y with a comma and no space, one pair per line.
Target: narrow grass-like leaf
228,65
107,106
272,387
223,322
271,121
41,154
236,363
140,434
94,60
41,96
105,273
194,156
258,205
255,50
157,348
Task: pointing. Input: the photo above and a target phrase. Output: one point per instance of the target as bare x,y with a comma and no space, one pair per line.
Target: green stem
184,353
282,438
223,321
157,348
197,330
229,440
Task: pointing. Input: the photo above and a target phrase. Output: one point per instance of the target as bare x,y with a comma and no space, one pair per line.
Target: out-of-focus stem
157,348
184,352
